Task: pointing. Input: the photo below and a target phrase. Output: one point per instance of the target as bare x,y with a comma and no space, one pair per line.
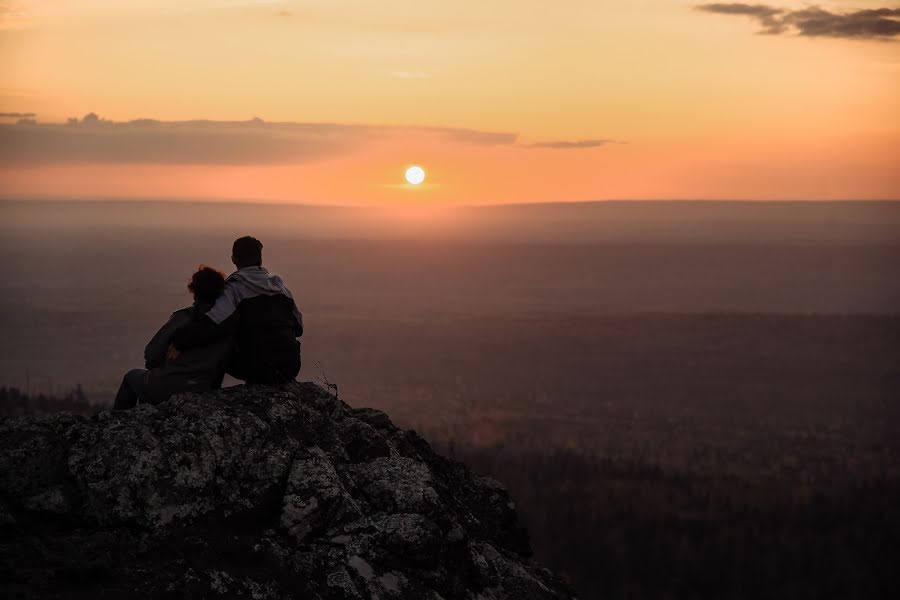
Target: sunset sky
320,101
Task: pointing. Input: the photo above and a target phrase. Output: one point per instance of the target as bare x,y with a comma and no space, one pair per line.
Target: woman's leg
133,385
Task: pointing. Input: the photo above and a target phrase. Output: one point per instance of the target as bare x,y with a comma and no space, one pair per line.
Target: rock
252,492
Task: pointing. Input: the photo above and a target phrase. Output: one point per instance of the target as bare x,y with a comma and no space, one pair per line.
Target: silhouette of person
261,309
200,369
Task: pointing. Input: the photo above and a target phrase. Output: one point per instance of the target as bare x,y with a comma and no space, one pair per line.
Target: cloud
880,23
17,115
769,17
255,142
575,144
93,139
473,136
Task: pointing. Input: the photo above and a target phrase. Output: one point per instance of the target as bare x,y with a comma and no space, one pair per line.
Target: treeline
622,528
16,403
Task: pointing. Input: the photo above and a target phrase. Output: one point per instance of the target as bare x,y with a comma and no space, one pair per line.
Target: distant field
79,303
83,286
609,222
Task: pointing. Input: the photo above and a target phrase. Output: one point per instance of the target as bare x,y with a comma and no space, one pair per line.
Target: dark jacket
262,310
197,369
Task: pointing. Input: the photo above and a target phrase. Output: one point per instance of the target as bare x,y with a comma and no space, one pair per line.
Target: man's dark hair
246,252
207,284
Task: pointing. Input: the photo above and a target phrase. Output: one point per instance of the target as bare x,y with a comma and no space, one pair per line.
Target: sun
415,175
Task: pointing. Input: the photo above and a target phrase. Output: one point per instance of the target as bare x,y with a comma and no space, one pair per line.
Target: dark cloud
880,23
93,139
17,115
769,17
472,136
575,144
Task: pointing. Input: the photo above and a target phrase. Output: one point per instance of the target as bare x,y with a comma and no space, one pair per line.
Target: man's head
246,252
207,284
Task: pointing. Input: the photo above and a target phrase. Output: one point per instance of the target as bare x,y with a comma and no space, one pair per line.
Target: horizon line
384,205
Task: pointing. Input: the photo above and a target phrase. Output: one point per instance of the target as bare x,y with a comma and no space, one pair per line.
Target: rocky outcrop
251,492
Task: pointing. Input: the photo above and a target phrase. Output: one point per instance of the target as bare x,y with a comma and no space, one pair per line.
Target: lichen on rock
251,492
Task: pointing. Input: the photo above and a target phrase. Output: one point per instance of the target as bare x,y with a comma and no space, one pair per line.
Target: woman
195,369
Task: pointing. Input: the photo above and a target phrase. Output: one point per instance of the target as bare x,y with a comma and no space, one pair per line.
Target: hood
258,281
248,283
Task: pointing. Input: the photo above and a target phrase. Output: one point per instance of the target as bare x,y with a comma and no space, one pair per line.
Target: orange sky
499,101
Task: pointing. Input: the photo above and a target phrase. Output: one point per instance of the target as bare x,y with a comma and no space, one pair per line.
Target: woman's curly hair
207,284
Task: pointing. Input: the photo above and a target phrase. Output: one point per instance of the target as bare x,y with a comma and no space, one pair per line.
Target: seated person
262,310
196,369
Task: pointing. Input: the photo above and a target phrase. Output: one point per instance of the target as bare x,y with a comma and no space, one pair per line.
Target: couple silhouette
246,326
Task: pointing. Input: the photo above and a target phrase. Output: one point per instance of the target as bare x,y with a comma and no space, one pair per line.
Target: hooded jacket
265,316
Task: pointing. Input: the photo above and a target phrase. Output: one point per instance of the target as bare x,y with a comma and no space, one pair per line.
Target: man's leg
278,367
288,368
130,390
237,367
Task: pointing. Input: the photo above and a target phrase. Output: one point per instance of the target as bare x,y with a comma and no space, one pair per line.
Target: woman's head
207,284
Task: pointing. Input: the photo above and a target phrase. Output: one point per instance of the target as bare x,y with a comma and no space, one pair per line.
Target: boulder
252,492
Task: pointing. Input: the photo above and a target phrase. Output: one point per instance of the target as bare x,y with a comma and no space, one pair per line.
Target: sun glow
415,175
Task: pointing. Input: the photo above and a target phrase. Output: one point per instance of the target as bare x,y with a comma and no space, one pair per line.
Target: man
262,310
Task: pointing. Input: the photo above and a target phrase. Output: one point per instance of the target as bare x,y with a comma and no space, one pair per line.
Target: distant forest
621,526
17,403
